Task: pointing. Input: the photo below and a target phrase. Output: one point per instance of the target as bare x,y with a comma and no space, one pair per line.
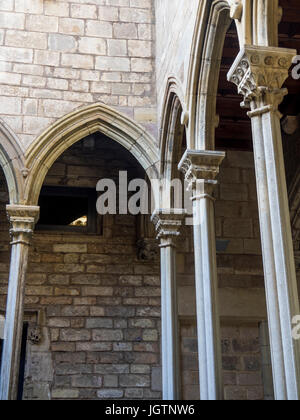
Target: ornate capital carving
198,165
168,224
260,72
22,220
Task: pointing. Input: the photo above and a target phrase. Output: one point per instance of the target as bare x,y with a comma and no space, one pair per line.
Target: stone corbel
35,334
147,249
290,124
236,9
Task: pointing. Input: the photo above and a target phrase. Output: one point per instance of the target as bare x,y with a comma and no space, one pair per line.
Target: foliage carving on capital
261,70
22,220
200,165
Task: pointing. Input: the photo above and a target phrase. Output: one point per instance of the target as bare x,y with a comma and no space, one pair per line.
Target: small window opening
68,209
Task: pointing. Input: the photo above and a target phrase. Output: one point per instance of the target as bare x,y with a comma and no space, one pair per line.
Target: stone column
259,73
201,169
168,224
22,220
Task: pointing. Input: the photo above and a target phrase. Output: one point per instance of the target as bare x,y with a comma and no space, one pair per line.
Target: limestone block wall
242,303
98,304
175,22
242,357
101,305
57,55
239,259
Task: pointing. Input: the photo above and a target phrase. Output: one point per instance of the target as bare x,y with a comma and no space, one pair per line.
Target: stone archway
73,127
204,70
12,162
171,141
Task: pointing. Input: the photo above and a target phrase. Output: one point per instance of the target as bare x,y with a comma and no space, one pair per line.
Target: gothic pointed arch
12,162
171,140
73,127
256,23
213,20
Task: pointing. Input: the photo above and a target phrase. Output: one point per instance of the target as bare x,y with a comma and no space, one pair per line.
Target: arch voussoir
73,127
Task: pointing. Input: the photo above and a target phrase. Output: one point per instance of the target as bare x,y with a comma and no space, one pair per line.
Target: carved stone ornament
22,220
35,334
291,124
147,249
236,9
200,165
258,70
168,224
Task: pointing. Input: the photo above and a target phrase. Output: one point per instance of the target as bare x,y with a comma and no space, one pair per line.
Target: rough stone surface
54,52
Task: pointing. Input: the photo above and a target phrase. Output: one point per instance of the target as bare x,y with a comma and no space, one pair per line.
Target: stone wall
56,56
239,259
100,305
242,360
174,30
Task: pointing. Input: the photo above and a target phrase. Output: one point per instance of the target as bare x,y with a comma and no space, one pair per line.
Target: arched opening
75,126
173,146
5,255
93,286
220,124
12,162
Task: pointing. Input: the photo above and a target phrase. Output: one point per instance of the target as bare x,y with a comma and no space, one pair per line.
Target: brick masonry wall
56,56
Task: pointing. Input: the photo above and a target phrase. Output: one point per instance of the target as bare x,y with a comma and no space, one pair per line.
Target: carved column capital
168,224
201,169
260,72
22,220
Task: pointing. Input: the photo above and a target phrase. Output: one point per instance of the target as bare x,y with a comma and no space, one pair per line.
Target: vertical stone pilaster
259,73
168,224
22,220
201,169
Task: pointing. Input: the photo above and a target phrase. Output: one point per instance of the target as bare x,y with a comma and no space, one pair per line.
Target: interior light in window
82,221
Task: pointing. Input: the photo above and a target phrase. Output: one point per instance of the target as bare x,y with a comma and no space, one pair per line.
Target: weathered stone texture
53,52
241,357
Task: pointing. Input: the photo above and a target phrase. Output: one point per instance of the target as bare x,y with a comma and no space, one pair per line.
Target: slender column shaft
168,225
170,372
22,220
259,73
281,283
207,299
201,169
269,263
